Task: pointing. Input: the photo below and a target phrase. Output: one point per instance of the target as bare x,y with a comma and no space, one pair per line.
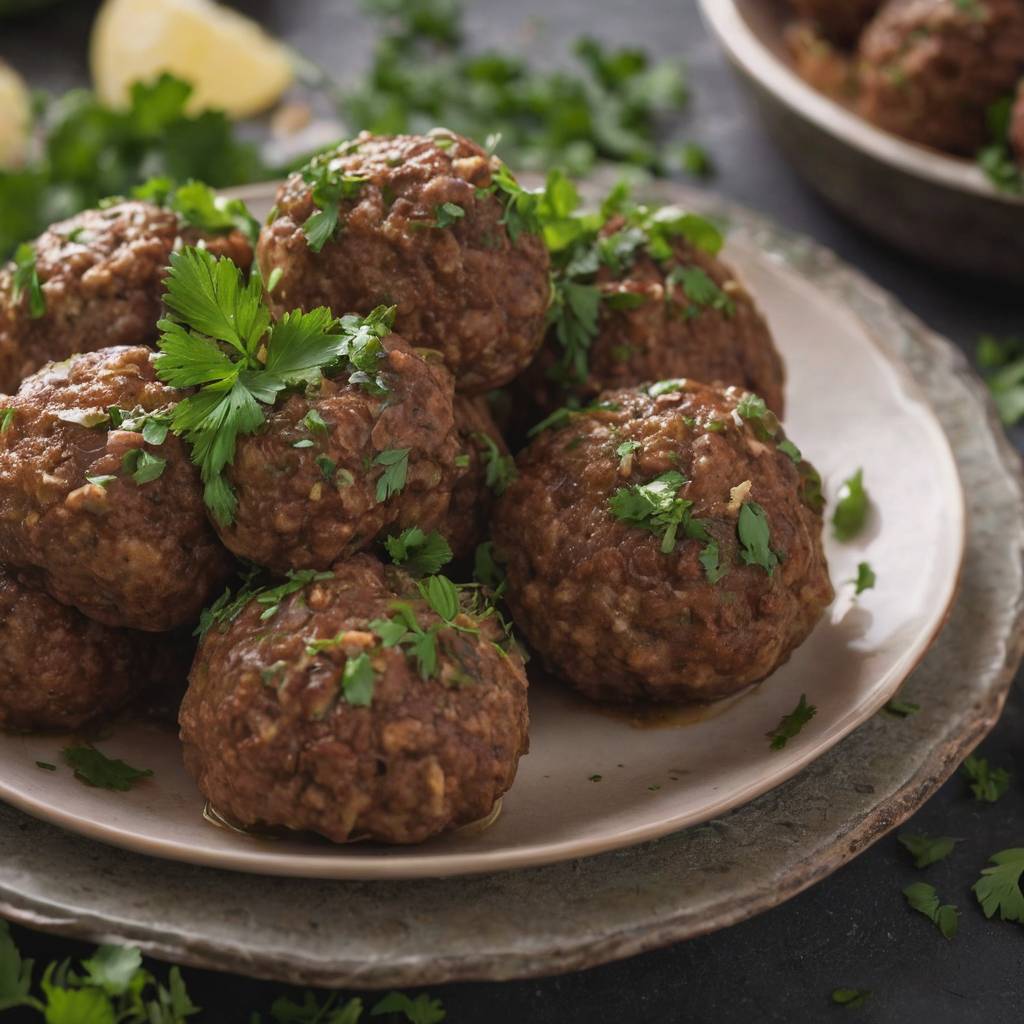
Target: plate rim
333,864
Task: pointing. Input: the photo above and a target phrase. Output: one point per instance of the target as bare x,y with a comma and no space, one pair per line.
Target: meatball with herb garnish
356,703
428,223
930,69
99,501
664,544
58,669
640,294
485,469
94,281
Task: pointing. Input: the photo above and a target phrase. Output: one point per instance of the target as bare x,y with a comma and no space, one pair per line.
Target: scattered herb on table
851,511
791,724
987,784
923,898
999,888
925,849
1002,362
900,708
94,768
852,998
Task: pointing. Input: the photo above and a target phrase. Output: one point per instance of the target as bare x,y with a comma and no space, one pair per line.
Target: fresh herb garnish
865,580
421,554
46,766
788,448
25,281
901,708
987,784
357,680
396,466
331,187
7,419
709,559
851,511
927,850
656,506
142,467
199,205
755,537
997,159
700,290
999,887
94,768
625,453
487,569
404,630
923,898
791,724
1002,360
499,469
562,417
851,998
448,214
421,1010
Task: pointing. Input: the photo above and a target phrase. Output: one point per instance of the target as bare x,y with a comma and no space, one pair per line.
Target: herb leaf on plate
790,725
94,768
851,511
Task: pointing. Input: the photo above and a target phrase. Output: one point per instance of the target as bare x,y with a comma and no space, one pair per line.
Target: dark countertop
854,929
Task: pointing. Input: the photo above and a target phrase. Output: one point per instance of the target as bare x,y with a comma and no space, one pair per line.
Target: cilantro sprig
94,768
790,725
221,341
656,506
331,187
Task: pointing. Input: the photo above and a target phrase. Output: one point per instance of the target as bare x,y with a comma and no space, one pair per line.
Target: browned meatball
930,69
667,547
101,276
650,327
838,20
330,470
113,525
485,470
58,669
422,229
310,721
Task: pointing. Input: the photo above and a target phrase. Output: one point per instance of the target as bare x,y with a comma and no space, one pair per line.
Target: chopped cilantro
448,214
327,466
103,480
304,442
595,778
357,681
788,448
625,452
791,724
7,419
142,467
442,595
487,569
851,511
94,768
420,553
999,888
562,417
997,158
314,422
927,850
655,506
696,160
755,537
199,205
665,387
700,290
404,630
499,469
25,281
709,558
331,187
987,784
396,465
1002,359
923,898
866,578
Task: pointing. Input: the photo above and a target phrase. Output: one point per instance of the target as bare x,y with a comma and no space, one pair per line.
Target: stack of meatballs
658,534
929,70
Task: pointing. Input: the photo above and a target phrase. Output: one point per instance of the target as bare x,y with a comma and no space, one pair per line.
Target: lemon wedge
15,118
232,64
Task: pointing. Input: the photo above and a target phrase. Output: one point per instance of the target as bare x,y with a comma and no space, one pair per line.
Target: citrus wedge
15,118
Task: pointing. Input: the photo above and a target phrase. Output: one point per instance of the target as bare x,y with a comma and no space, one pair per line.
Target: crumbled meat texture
466,289
667,335
469,514
930,69
58,669
819,63
271,740
837,20
304,507
600,602
141,556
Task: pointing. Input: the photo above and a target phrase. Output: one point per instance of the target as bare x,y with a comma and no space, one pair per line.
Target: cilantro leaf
357,681
851,510
94,768
654,506
112,968
562,417
987,784
143,467
791,724
487,569
499,469
15,974
420,553
851,998
77,1006
421,1010
999,888
755,537
7,417
923,898
396,465
700,290
788,448
866,578
331,187
709,558
199,206
625,452
448,214
927,850
25,281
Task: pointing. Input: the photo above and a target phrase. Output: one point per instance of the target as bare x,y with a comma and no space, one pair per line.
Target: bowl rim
745,48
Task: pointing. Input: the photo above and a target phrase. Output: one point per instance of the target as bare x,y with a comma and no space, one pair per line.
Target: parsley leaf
396,465
112,968
851,998
331,187
851,511
999,887
311,1011
448,214
199,206
1002,359
866,578
76,1006
997,159
142,467
625,452
654,506
499,469
755,537
7,417
987,784
487,568
357,681
420,553
788,448
923,898
15,974
700,290
94,768
25,281
791,724
709,558
927,850
562,417
421,1010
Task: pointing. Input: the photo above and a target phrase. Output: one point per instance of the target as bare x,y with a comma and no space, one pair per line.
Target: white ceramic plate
850,405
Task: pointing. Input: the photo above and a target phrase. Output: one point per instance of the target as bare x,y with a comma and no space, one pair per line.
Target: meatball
333,468
666,546
837,20
101,276
58,669
315,722
112,524
485,469
930,69
820,63
688,316
421,227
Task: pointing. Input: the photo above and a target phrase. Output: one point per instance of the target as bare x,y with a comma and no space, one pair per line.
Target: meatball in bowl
664,545
420,222
358,705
